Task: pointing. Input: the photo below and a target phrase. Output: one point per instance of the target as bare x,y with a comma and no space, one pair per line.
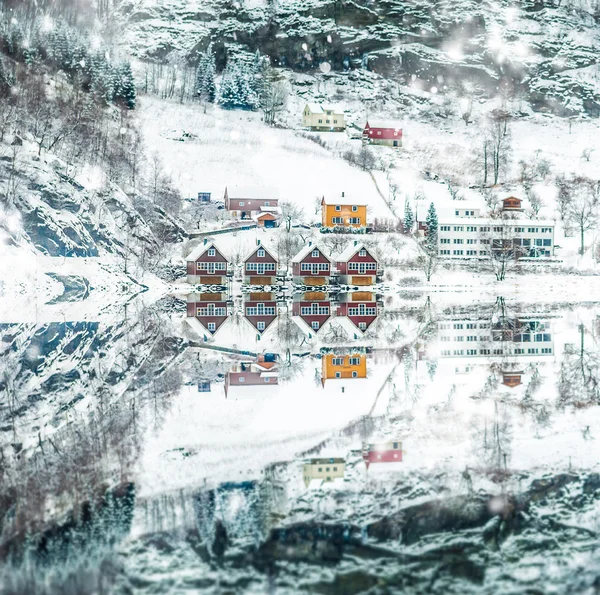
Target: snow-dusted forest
299,296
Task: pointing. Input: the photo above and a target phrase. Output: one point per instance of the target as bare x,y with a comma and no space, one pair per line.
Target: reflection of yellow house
323,469
343,212
343,366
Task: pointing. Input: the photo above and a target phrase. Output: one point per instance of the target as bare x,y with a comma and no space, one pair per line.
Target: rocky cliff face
542,49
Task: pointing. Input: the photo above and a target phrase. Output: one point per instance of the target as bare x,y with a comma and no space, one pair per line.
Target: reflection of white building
518,337
464,232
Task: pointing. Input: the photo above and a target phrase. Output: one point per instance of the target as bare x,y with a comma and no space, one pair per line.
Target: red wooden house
382,452
311,267
260,267
357,311
512,203
207,311
357,266
260,310
311,310
379,132
207,265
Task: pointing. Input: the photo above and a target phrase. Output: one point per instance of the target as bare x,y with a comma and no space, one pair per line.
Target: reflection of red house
383,452
359,308
311,311
356,265
207,265
512,203
311,267
209,309
260,267
260,310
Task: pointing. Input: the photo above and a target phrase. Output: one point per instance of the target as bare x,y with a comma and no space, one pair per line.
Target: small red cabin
311,267
260,310
260,267
356,265
208,309
383,452
311,311
207,265
378,132
512,203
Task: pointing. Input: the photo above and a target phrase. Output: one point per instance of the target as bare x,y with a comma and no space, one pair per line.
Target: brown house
244,202
260,310
207,265
512,203
357,266
208,310
311,267
311,310
259,372
260,267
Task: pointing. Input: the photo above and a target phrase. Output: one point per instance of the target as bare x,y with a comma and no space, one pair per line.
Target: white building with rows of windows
464,233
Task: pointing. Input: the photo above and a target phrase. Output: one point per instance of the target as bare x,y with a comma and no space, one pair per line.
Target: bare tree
291,212
428,258
501,246
273,97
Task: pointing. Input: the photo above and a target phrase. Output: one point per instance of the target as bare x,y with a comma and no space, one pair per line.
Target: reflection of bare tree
495,440
579,380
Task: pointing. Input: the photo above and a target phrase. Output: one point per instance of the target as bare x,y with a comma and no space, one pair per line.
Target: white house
324,118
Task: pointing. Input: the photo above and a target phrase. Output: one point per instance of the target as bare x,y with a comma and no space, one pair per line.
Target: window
458,325
458,228
546,230
337,361
338,374
457,213
471,228
459,339
315,325
354,361
354,209
472,338
335,468
354,220
242,203
458,352
471,252
497,228
457,252
484,352
241,379
379,132
320,121
444,228
547,242
260,253
212,326
532,229
445,252
546,350
445,241
445,352
362,310
519,229
314,310
335,121
471,325
211,252
315,253
337,220
260,310
338,207
538,243
458,241
211,310
327,121
267,379
362,252
320,469
471,351
362,326
260,326
354,374
484,228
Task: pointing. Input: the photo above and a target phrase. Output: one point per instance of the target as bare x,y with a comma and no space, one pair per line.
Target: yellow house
343,212
324,118
352,365
323,469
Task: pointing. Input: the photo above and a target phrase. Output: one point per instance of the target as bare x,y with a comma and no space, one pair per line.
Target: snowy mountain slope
544,48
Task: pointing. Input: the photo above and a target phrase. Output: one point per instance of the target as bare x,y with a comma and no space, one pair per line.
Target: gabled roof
255,248
267,324
255,192
377,123
306,328
199,250
201,330
350,250
351,328
317,108
306,250
344,200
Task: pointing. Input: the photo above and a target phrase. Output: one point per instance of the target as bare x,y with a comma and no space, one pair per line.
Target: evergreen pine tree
205,76
229,90
409,219
125,91
431,222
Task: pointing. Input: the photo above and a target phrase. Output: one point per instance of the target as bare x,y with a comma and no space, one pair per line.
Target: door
395,143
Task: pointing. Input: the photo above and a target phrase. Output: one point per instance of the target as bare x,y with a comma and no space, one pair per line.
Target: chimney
356,242
258,242
310,243
205,241
343,194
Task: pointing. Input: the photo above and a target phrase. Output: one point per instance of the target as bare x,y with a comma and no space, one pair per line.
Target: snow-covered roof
351,249
306,328
199,250
447,208
317,108
377,123
265,210
255,248
345,200
256,192
306,250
